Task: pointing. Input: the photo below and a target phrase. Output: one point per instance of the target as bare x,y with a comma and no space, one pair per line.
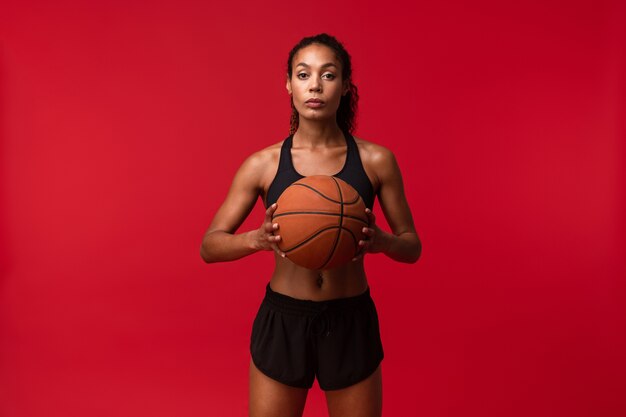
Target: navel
320,280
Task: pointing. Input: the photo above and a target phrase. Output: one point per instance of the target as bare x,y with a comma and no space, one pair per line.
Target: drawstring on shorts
319,311
317,316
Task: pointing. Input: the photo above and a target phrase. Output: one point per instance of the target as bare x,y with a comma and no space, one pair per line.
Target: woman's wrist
251,239
385,241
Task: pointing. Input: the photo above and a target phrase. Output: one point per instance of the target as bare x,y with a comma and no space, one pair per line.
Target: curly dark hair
346,113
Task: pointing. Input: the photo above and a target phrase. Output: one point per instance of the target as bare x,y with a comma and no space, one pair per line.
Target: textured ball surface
321,220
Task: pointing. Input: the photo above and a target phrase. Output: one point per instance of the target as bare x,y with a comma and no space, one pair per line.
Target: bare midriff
305,284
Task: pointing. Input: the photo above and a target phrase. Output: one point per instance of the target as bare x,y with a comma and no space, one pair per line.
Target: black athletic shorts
293,340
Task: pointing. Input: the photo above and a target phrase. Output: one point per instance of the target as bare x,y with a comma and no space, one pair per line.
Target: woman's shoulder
374,153
261,165
379,163
263,157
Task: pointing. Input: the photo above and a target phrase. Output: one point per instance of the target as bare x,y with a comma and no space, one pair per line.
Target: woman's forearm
220,246
405,247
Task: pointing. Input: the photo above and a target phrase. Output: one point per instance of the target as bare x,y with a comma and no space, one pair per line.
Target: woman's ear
346,87
288,85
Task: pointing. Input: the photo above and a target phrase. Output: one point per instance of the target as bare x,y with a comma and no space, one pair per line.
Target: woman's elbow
205,255
416,253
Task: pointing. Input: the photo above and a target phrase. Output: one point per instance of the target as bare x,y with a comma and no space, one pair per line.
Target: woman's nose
315,84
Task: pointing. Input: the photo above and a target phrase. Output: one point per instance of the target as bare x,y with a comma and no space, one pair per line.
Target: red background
123,123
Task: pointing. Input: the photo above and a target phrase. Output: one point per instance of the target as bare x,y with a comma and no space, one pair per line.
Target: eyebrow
328,64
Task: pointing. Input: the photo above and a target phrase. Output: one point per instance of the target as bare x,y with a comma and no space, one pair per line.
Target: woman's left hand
375,237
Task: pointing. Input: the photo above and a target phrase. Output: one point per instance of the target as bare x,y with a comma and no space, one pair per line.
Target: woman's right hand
264,237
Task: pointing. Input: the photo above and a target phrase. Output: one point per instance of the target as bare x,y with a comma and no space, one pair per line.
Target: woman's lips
314,103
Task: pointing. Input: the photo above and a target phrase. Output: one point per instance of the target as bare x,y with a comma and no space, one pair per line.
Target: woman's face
316,85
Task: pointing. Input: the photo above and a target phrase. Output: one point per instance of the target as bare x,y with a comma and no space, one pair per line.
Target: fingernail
282,254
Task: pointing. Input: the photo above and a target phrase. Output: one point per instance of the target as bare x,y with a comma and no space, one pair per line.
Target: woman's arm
403,244
220,243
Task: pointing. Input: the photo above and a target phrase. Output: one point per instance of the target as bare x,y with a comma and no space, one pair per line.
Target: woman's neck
312,134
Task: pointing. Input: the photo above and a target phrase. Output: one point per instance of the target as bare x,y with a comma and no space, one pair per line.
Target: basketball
320,222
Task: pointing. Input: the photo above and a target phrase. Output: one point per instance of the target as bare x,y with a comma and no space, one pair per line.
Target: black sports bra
352,173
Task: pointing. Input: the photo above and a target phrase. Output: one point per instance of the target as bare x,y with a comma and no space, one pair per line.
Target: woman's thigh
363,399
270,398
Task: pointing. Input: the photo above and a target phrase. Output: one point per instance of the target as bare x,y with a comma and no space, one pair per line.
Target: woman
316,323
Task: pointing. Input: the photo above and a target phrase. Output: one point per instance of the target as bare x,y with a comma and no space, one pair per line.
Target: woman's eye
328,76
